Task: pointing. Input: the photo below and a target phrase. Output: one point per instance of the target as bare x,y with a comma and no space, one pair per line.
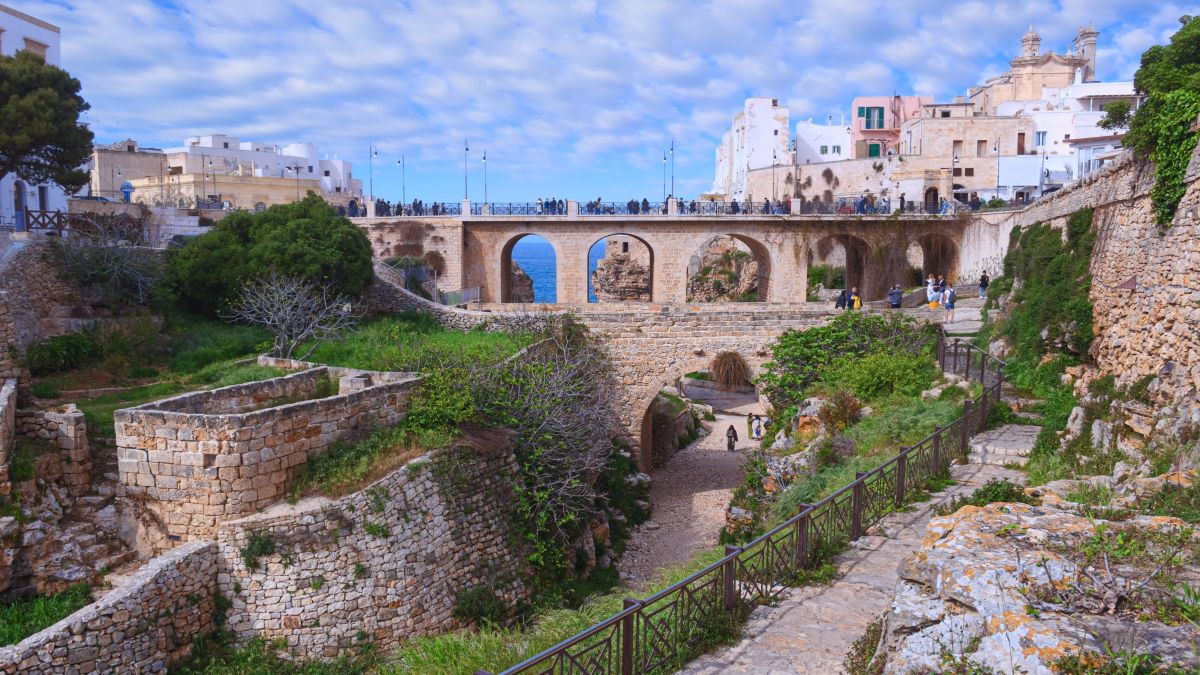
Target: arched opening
528,270
19,205
860,268
931,200
729,268
934,253
259,207
620,269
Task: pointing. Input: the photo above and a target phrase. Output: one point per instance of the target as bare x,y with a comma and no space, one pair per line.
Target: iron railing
515,209
631,208
666,628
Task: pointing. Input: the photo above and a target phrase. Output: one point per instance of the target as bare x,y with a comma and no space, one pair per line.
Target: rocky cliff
521,285
623,274
724,271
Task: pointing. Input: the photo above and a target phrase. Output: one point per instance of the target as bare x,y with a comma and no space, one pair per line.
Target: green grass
1180,502
702,375
24,457
19,620
217,655
672,404
414,342
98,411
196,343
347,466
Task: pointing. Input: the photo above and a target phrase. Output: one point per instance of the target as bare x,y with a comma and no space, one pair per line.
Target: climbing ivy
1174,142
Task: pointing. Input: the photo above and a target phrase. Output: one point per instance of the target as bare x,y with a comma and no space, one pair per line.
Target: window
624,247
1067,137
981,148
873,150
36,48
957,171
969,171
225,145
873,117
837,149
824,149
1039,138
43,198
958,148
327,173
945,113
310,168
776,132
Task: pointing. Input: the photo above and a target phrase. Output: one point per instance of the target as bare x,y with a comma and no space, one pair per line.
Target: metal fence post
954,359
730,594
627,642
941,350
937,449
901,471
968,425
801,554
856,526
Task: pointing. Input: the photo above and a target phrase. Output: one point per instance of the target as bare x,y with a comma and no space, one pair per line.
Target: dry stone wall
189,462
66,429
377,566
143,626
8,427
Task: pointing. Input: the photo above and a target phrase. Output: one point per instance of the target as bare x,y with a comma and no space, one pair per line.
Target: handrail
661,628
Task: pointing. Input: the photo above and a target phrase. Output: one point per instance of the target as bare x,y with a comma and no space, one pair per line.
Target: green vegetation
20,619
346,466
882,373
858,659
258,545
1161,129
826,275
993,491
219,655
62,352
41,137
1180,502
479,604
799,356
305,239
25,452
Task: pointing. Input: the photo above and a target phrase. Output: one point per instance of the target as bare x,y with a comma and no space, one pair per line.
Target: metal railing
631,208
517,209
665,628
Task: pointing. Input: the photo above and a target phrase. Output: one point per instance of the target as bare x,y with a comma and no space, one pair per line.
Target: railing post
941,350
937,449
968,427
801,555
856,526
730,591
627,627
901,475
983,369
954,361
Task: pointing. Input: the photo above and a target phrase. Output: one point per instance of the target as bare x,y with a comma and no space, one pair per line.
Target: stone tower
1031,43
1085,48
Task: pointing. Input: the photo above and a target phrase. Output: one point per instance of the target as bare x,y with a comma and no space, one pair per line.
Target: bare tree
295,310
113,253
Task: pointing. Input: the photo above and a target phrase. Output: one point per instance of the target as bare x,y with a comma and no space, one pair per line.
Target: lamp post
774,161
466,152
295,169
485,196
372,153
1042,176
673,168
664,177
403,187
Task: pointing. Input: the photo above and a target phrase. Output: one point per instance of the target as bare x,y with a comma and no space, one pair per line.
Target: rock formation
521,285
724,271
623,274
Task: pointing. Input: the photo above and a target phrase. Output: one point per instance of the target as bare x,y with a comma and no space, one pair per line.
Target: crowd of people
939,294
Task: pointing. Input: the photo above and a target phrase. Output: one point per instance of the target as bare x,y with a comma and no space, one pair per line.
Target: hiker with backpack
948,298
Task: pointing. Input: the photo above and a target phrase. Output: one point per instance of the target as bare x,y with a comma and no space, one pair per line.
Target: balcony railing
631,208
662,631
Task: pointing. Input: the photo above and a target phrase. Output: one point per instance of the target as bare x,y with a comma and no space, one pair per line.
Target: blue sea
535,255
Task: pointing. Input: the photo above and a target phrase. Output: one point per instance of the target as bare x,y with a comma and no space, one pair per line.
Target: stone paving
1009,444
813,628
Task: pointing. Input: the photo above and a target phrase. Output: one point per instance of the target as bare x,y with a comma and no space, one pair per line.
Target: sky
573,99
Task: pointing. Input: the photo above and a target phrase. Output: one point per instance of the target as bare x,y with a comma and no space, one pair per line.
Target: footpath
812,629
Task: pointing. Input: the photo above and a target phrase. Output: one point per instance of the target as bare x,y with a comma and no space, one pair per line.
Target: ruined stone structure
66,429
8,428
380,565
189,462
522,285
623,274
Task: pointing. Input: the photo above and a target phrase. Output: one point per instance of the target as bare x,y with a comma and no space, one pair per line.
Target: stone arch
932,200
862,267
939,255
506,264
631,245
758,250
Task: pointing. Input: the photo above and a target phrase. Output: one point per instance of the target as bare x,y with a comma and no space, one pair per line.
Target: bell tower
1085,48
1031,43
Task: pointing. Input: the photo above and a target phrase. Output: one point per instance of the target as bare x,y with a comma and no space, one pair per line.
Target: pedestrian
901,202
941,282
948,299
853,301
895,296
842,299
731,437
539,206
758,430
983,284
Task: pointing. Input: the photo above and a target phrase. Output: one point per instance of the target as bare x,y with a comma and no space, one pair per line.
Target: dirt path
689,496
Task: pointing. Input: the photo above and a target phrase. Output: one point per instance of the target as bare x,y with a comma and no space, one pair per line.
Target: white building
21,32
222,155
1062,115
816,143
757,139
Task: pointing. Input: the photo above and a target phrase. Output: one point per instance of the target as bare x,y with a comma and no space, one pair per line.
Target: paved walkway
1006,445
813,628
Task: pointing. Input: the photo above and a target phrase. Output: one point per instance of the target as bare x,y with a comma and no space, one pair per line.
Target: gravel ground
689,495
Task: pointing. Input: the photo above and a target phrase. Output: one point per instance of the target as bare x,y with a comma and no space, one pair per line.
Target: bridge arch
507,268
636,248
939,254
861,263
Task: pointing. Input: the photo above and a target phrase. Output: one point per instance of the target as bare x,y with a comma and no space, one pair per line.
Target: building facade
114,166
758,138
875,125
22,32
817,143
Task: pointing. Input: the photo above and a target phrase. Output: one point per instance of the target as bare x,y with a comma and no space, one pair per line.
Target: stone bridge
475,251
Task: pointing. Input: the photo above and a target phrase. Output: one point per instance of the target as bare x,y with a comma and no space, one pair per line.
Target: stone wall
381,565
8,427
440,235
189,462
143,626
65,428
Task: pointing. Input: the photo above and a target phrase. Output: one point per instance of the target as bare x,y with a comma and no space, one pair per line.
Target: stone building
1034,71
758,138
875,127
114,164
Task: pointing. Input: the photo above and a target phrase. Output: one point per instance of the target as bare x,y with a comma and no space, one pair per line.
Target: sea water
535,255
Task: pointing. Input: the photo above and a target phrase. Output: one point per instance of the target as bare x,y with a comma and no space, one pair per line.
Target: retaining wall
65,428
381,565
8,427
190,461
142,626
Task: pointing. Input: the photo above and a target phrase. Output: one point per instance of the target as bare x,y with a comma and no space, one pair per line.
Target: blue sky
576,99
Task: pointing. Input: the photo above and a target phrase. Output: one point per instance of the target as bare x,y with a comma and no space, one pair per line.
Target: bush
883,373
479,604
839,412
993,491
64,352
729,370
305,239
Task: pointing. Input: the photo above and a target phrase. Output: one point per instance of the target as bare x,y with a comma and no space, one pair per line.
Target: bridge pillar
572,277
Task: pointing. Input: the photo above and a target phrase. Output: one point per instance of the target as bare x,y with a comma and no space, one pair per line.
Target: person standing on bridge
731,438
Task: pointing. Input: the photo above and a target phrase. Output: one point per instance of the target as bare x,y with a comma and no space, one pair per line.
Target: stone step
991,459
1028,415
1011,441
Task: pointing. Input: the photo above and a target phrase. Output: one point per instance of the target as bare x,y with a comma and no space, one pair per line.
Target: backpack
857,302
951,296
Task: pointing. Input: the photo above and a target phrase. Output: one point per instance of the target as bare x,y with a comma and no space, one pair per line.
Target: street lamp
485,196
673,168
403,190
373,153
466,152
664,177
774,161
112,181
295,169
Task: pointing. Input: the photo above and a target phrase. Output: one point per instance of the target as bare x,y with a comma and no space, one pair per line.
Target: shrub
257,546
729,370
995,490
882,373
305,239
479,604
23,618
839,412
64,352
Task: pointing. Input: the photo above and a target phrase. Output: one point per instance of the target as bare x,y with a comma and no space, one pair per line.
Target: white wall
811,137
266,161
757,138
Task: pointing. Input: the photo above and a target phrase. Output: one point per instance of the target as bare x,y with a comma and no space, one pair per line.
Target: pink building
875,130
